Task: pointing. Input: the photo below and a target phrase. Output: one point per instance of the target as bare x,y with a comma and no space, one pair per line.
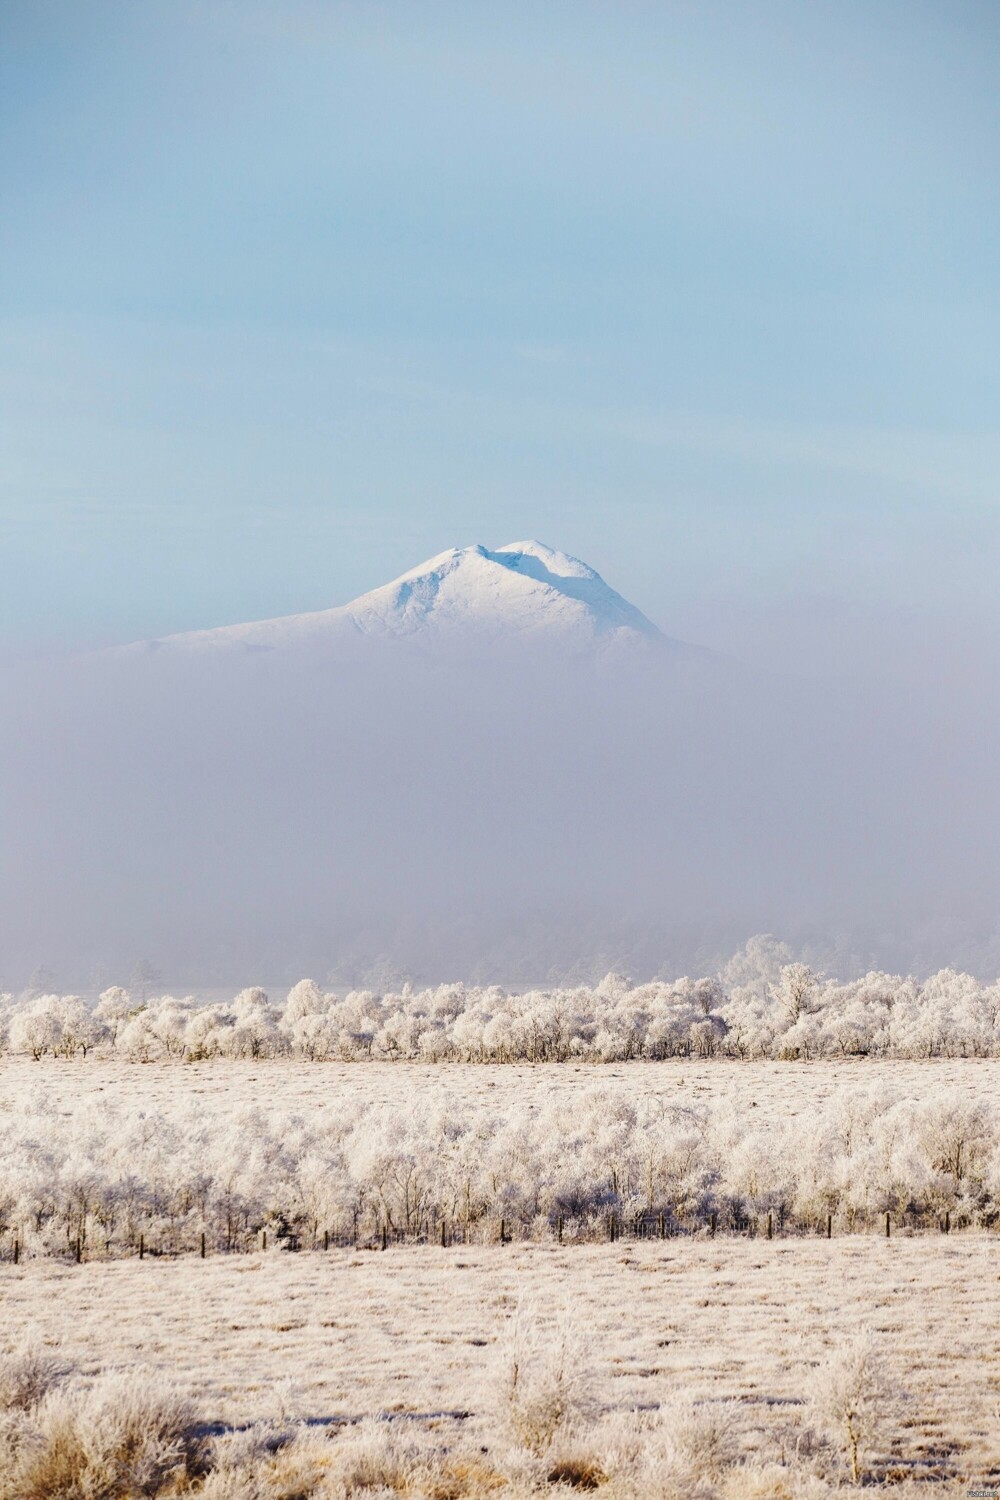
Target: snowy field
420,1334
694,1361
780,1090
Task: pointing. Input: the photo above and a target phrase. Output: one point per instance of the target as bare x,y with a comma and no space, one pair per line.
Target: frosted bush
546,1387
702,1439
379,1455
264,1463
25,1377
116,1440
853,1396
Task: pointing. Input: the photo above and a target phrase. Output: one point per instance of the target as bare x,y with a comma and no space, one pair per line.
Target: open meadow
781,1091
690,1365
729,1331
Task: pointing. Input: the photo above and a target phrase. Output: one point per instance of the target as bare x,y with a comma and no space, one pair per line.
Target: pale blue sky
296,294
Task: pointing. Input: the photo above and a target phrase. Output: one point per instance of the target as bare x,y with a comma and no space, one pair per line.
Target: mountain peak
557,564
522,587
524,590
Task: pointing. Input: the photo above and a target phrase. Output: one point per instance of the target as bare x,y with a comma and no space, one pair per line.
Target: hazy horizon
233,817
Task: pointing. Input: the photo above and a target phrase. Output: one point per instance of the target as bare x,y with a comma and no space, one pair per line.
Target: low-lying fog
237,818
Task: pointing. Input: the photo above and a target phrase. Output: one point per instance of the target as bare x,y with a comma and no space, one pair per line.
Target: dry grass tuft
772,1482
702,1439
459,1478
378,1456
266,1463
579,1471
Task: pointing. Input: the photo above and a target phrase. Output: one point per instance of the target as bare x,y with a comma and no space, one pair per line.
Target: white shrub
702,1439
26,1377
119,1439
853,1397
546,1383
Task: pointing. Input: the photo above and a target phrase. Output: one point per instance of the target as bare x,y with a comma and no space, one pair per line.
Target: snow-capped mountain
522,591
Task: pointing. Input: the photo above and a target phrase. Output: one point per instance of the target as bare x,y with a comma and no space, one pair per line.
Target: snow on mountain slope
522,591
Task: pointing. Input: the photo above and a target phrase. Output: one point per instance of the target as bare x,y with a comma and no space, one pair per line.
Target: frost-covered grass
696,1368
98,1158
691,1368
216,1087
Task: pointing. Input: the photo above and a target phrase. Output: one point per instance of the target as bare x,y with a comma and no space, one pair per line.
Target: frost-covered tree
796,991
114,1008
80,1029
304,999
36,1028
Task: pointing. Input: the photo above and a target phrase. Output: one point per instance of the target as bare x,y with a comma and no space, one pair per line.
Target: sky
293,295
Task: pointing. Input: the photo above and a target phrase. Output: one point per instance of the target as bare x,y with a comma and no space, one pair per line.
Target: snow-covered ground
677,1338
779,1091
419,1334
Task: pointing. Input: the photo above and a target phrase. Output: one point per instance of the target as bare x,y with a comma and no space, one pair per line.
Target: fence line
440,1233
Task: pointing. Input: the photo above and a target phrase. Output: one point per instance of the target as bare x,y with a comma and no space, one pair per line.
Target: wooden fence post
503,1230
79,1250
887,1226
829,1226
326,1239
142,1246
770,1226
203,1244
263,1239
385,1236
947,1221
17,1251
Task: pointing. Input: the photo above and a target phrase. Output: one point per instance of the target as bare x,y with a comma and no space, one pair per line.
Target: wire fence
373,1235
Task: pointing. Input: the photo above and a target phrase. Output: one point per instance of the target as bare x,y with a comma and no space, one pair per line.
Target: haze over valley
493,767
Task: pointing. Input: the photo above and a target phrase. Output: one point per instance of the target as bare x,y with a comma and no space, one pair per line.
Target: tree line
758,1006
